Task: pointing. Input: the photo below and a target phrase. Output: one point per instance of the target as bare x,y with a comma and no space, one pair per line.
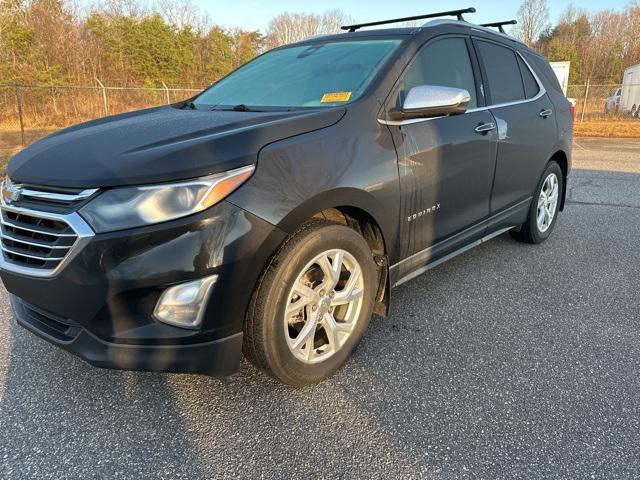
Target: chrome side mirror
426,101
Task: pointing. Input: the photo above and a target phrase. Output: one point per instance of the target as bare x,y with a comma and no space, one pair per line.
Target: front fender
341,166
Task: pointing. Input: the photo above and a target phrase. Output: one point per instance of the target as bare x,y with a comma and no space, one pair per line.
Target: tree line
122,42
599,45
126,43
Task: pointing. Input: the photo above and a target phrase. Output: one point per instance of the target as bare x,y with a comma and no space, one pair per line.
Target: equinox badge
424,212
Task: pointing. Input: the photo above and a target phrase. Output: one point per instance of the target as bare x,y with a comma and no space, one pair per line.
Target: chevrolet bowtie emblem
11,192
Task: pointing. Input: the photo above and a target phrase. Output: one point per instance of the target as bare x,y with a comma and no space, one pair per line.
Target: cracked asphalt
509,361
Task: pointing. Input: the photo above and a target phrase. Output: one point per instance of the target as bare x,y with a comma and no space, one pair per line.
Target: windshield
319,75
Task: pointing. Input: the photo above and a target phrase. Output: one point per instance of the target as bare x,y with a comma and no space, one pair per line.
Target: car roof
399,32
378,32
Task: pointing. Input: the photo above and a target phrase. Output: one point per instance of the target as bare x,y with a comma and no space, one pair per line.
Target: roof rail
500,24
450,13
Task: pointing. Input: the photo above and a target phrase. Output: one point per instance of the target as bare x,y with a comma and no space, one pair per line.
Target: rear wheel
312,305
634,112
544,208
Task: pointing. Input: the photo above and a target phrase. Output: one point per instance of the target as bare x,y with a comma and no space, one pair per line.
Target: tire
534,231
270,338
634,113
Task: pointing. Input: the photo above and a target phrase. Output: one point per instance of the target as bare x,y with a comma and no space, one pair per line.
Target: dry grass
608,128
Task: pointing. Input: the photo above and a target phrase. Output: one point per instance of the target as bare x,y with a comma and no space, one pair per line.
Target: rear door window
503,73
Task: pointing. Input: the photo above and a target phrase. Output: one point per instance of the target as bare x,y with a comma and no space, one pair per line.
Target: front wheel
544,208
312,304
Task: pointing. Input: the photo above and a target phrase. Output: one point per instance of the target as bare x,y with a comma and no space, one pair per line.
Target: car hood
158,145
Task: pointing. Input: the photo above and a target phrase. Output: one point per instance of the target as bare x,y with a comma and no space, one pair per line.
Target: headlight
130,207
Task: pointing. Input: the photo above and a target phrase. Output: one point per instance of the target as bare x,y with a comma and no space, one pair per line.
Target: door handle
485,127
546,112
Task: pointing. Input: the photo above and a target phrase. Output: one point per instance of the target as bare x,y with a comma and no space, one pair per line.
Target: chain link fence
28,112
605,102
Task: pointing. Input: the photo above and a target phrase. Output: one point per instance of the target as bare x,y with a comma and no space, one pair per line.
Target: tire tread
254,347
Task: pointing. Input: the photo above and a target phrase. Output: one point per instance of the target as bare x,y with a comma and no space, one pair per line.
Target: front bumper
100,305
216,357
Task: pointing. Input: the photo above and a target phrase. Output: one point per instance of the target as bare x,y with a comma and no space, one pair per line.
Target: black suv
273,213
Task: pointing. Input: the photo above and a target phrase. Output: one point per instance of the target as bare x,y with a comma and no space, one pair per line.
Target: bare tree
128,8
533,19
631,38
179,12
292,27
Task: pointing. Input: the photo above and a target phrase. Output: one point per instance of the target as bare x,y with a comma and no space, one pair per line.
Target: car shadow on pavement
59,417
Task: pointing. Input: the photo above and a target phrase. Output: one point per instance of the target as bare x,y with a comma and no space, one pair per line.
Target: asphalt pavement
509,361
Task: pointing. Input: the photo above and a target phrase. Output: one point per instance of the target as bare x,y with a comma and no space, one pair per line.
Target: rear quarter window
531,87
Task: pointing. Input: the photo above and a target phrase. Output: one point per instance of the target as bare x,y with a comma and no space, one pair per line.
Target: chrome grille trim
29,248
41,231
35,244
35,257
57,197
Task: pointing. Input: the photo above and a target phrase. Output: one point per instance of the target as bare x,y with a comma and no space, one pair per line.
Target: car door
527,129
446,166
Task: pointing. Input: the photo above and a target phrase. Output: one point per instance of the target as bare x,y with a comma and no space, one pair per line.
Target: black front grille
53,326
35,241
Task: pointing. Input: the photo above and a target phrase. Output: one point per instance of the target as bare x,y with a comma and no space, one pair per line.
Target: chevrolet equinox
273,213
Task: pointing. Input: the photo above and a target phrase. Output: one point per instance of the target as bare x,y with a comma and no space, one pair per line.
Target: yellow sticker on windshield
336,97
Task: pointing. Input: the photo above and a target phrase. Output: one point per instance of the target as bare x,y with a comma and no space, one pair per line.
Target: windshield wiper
242,108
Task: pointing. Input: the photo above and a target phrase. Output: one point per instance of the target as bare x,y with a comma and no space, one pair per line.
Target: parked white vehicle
630,92
612,103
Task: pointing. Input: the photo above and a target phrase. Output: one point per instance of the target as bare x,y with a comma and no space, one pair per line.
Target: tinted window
531,88
503,74
319,75
444,63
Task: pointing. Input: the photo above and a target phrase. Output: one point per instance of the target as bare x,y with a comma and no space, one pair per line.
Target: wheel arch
560,157
360,211
344,200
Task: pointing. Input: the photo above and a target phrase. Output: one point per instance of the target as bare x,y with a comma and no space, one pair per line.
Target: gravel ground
510,361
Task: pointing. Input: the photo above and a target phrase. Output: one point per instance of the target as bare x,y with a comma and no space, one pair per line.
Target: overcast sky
255,14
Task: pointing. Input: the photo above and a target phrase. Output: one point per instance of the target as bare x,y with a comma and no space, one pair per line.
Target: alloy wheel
323,306
547,202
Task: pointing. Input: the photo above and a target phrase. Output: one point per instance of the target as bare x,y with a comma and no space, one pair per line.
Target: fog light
184,305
